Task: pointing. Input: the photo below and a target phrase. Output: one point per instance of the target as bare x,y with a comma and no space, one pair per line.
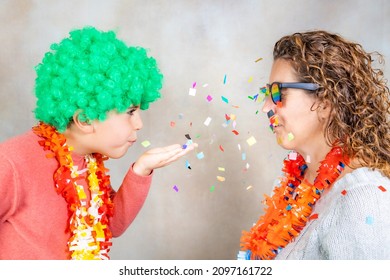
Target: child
56,198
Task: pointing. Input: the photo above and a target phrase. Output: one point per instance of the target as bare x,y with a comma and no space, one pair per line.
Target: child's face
117,133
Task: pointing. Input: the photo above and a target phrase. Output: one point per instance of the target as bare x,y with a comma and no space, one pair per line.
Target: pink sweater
33,217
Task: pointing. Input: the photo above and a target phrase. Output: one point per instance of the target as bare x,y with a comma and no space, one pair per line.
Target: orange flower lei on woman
91,236
291,206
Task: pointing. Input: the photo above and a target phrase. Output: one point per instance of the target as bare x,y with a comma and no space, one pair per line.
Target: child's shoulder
20,145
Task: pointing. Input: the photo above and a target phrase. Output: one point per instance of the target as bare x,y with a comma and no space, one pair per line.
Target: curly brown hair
356,91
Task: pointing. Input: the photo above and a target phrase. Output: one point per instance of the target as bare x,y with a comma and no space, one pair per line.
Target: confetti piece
235,132
184,147
222,169
221,148
209,98
192,92
279,140
212,188
232,117
220,178
243,156
290,136
250,79
289,207
234,124
207,121
173,124
292,156
382,188
313,217
224,99
188,136
251,141
175,188
145,143
188,164
224,79
181,116
344,192
369,220
227,117
194,85
249,187
247,166
257,60
239,147
200,155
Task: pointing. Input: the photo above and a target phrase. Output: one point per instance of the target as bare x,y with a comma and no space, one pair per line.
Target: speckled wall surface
198,42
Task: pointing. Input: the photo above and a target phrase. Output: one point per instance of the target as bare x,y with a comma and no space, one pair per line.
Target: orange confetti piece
382,188
344,192
313,217
235,132
173,124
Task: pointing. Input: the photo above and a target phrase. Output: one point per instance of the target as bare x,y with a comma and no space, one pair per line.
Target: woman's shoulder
363,177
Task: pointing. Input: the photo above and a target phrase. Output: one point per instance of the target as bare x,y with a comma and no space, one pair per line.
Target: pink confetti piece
173,124
175,188
209,98
221,148
194,85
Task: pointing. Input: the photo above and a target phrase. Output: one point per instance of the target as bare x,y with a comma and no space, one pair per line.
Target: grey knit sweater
351,225
353,222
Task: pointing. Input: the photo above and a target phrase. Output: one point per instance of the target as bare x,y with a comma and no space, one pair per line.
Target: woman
329,106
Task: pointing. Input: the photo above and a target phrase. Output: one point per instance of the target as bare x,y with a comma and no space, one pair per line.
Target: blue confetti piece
200,155
224,79
224,99
369,220
288,207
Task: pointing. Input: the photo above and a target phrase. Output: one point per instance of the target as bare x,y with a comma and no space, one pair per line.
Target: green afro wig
93,72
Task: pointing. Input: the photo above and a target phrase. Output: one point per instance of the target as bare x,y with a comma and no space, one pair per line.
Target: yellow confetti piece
290,136
221,169
145,143
251,141
257,60
220,178
250,79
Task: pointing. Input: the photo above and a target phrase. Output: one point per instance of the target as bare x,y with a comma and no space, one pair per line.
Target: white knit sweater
351,225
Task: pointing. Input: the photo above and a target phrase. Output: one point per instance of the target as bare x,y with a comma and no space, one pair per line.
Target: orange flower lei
91,236
291,206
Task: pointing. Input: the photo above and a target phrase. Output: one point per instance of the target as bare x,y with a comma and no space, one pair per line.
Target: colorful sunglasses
275,88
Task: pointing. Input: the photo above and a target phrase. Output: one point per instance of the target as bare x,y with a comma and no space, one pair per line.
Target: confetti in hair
93,72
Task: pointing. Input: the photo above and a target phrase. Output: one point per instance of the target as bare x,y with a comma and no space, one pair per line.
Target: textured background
193,41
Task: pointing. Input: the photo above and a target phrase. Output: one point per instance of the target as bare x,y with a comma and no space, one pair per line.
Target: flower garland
290,208
90,235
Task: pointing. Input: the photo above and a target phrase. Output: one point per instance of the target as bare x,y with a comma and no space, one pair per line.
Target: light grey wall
193,41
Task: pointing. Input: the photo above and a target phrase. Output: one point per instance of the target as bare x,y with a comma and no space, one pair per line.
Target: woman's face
297,125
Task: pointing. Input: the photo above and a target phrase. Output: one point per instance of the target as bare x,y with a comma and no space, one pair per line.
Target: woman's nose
268,105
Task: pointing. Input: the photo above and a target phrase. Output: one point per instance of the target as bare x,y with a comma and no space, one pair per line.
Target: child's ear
82,123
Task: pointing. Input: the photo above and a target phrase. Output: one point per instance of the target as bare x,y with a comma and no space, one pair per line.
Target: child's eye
131,111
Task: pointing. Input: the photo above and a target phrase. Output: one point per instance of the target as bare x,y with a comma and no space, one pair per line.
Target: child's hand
160,157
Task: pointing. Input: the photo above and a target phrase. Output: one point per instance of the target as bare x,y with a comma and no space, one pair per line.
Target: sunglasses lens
275,93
